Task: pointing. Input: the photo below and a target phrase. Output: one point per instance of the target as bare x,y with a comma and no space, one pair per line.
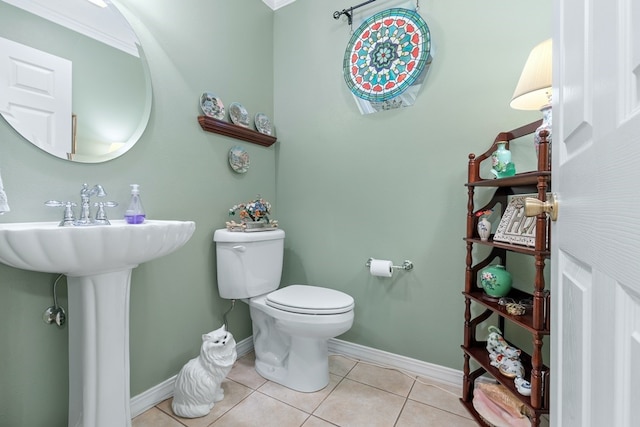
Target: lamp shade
534,87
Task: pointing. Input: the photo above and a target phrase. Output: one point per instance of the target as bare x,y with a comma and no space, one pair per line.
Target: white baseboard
164,390
414,366
150,398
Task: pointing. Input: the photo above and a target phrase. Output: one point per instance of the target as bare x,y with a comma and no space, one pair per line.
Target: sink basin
90,250
98,261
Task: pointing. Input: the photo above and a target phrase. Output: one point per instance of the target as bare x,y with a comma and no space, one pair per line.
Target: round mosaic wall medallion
386,54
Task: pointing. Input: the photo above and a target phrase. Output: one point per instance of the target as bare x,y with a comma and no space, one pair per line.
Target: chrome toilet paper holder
406,265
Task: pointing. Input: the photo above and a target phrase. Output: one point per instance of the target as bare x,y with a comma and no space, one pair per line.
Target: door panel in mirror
35,96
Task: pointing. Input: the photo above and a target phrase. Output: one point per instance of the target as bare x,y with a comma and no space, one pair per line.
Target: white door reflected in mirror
35,96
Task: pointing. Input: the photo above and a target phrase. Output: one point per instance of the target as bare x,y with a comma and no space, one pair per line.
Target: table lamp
533,91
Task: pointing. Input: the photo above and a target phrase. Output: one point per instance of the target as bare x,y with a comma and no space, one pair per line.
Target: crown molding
277,4
106,25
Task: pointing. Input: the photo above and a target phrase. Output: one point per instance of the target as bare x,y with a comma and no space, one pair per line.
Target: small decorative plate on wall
239,159
386,54
239,115
212,106
263,124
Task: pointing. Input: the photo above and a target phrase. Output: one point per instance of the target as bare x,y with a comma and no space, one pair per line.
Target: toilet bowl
291,325
291,347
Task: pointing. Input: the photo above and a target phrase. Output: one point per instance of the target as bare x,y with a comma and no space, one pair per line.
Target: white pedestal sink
97,261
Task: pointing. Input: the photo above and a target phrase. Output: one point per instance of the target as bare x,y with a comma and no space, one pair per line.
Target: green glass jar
495,280
501,163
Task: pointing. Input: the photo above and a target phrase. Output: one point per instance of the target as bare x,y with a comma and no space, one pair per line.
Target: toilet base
305,369
291,348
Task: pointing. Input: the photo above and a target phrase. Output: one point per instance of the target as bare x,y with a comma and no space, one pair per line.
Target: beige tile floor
358,395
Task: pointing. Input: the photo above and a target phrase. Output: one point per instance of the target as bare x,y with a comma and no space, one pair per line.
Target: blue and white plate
239,159
212,106
239,115
263,124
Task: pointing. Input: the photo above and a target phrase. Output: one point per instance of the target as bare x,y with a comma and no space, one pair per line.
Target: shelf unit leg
467,390
536,372
535,420
468,332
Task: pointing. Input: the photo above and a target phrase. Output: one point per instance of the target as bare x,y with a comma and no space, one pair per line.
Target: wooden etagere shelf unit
536,320
221,127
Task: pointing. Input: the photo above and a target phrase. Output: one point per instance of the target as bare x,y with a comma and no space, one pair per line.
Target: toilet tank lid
224,235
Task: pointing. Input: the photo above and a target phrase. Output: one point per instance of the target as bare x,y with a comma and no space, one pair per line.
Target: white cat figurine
198,385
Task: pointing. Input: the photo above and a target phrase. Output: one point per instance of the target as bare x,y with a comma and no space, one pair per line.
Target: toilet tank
249,264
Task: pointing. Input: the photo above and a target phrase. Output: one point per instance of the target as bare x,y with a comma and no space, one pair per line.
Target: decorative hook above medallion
349,12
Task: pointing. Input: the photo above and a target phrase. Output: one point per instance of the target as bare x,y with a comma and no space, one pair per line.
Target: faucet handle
68,218
101,215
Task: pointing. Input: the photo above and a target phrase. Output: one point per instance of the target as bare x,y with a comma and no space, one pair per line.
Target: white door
595,348
35,96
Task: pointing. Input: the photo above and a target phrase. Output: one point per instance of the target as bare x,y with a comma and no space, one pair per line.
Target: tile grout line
309,414
404,405
176,418
327,396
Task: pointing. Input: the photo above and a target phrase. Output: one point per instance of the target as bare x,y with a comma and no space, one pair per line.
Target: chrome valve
101,215
68,219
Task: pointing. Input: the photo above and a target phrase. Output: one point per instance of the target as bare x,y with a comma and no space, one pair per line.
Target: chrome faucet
85,207
85,200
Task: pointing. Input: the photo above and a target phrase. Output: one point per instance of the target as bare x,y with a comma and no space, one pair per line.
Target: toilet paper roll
381,268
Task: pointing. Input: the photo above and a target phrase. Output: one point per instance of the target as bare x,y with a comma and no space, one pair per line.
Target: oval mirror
73,77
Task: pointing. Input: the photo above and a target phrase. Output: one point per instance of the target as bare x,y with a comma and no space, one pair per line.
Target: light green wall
388,185
192,46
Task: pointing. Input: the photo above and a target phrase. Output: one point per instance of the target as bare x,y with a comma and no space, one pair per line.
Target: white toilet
291,325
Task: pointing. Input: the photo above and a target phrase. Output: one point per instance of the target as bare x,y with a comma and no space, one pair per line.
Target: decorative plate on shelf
239,115
239,159
386,54
263,124
212,106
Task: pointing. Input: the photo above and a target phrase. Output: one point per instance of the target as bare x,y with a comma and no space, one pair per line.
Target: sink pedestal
97,262
98,312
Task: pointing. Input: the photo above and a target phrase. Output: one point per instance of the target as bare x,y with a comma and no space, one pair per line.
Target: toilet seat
304,299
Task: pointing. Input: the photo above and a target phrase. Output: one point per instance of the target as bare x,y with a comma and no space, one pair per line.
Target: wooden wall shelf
210,124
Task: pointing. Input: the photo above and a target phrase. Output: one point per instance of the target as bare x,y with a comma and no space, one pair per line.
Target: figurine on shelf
501,163
511,368
496,281
503,356
497,344
507,360
508,366
523,386
515,308
484,226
